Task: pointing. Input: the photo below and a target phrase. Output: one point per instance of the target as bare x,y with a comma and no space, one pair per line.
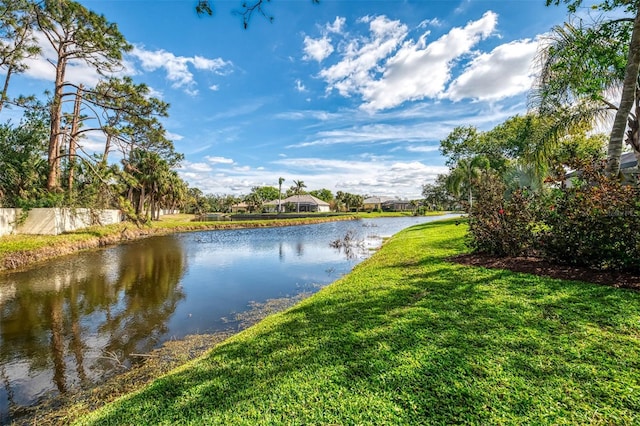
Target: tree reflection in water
58,323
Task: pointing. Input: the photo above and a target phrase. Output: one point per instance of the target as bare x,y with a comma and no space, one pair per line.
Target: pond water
64,322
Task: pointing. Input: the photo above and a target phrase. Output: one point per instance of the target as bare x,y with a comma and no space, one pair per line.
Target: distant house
240,208
374,203
307,203
272,206
396,206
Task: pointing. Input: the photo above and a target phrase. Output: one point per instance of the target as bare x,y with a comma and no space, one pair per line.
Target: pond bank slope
410,338
20,251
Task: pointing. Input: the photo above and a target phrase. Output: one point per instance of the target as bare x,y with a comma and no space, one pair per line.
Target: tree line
341,201
43,157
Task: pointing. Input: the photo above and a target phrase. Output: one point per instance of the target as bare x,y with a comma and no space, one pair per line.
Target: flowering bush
502,226
594,221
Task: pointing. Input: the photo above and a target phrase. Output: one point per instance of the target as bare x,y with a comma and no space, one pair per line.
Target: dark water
63,324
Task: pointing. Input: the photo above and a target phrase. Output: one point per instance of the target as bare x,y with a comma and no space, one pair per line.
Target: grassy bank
409,338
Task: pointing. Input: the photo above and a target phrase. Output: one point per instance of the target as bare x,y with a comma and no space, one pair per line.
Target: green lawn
408,338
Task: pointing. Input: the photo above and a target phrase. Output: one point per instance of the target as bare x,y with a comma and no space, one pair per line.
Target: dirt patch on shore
537,266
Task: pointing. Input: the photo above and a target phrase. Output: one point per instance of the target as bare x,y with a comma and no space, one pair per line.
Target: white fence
54,221
7,221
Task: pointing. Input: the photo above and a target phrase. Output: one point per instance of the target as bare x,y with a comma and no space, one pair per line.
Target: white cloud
386,69
174,136
177,67
218,160
361,56
194,168
300,87
422,148
435,22
462,7
373,175
419,70
153,93
336,26
374,134
214,87
93,142
317,49
504,72
217,65
308,114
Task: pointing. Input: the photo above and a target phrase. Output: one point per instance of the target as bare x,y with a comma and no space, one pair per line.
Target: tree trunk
72,138
152,205
633,134
616,138
107,145
107,148
140,210
53,154
5,88
279,197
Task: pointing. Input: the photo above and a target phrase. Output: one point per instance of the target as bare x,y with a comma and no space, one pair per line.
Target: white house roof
305,199
376,200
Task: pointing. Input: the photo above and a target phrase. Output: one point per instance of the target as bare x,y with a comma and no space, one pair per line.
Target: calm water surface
63,322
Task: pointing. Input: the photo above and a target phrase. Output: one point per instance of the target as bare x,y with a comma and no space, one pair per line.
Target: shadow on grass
449,344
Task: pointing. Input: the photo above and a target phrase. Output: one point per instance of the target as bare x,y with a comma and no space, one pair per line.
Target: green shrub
594,221
500,226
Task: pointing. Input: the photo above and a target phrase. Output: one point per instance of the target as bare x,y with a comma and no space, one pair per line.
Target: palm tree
298,185
357,201
465,174
414,206
173,192
280,182
629,93
579,67
253,201
150,172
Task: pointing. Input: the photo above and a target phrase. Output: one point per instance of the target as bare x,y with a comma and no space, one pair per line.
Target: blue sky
349,95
